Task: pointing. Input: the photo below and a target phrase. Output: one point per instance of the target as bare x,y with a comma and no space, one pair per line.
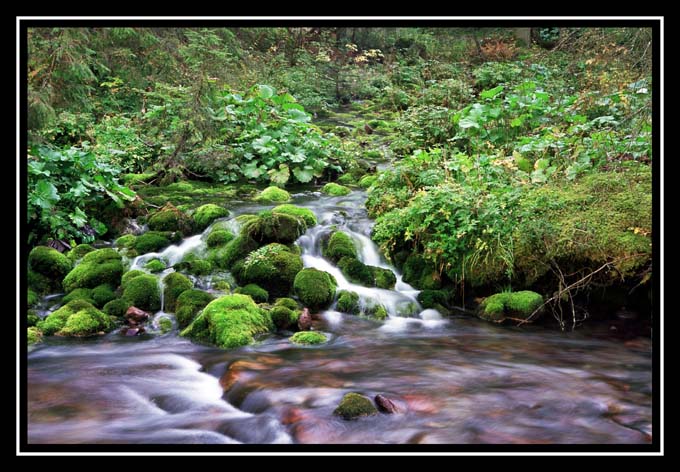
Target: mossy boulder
143,292
273,194
256,292
98,267
155,265
433,298
165,325
79,294
234,251
355,405
420,273
32,318
33,335
383,278
116,307
76,318
305,214
170,218
79,252
206,214
102,294
229,321
191,264
32,298
346,179
287,302
335,190
376,310
348,302
283,317
271,227
339,245
127,276
219,237
174,283
315,288
367,181
154,241
126,241
272,267
308,337
49,262
515,305
356,271
189,304
41,284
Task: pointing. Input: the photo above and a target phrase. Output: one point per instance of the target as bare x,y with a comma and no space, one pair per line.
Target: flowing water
453,380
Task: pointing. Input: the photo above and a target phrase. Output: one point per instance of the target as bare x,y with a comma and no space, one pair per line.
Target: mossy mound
165,325
76,318
283,317
335,190
420,273
99,267
219,237
153,241
155,265
228,322
102,294
116,307
348,302
305,214
273,194
308,337
79,294
271,227
287,302
33,335
339,245
272,267
346,179
376,310
79,252
315,288
143,292
174,284
233,252
32,298
41,284
256,292
127,276
32,318
516,305
367,181
383,278
356,271
433,298
191,264
49,262
170,218
189,304
206,214
355,405
127,241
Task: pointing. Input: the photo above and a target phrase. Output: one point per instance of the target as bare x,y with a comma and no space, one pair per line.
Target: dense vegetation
513,166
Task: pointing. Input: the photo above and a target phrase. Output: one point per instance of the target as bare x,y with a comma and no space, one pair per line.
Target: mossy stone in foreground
169,218
49,262
174,283
33,335
308,337
127,276
339,245
230,321
99,267
354,405
189,303
219,237
155,265
305,214
272,267
256,292
116,307
206,214
315,288
518,305
76,318
102,294
271,227
273,194
348,302
143,292
335,190
283,317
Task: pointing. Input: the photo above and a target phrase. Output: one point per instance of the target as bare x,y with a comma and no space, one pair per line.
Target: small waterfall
171,254
161,288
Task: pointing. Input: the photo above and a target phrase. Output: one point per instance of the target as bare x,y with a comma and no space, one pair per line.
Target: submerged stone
355,405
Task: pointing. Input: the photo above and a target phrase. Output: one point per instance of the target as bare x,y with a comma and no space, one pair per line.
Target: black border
654,446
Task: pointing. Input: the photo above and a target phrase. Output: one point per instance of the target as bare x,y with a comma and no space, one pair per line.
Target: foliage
308,337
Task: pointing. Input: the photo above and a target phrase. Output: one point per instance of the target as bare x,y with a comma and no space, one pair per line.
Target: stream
454,380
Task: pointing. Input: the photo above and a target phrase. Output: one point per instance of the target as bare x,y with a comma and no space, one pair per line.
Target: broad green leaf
78,217
44,195
280,176
487,94
298,115
266,91
466,123
303,175
541,164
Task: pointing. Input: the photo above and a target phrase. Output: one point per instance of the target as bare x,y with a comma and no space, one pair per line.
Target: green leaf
299,116
78,217
487,94
280,176
303,175
44,195
541,164
266,91
466,123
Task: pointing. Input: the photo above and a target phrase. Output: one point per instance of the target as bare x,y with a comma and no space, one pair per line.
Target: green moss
339,245
376,310
518,305
143,292
170,218
79,252
274,228
222,285
315,288
126,241
79,294
273,267
356,271
206,214
219,237
165,325
96,268
420,273
116,307
273,194
76,318
189,304
234,251
287,302
41,284
367,181
32,318
373,153
354,405
348,302
127,276
49,262
256,292
308,337
383,278
193,265
346,179
102,294
134,179
430,298
32,297
152,241
335,190
33,335
155,265
283,317
174,283
305,214
229,321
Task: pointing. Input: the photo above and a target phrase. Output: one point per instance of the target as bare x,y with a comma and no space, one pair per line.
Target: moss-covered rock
127,241
348,302
420,273
272,267
367,181
234,251
165,325
206,214
516,305
383,278
155,265
346,179
356,271
49,262
221,285
229,321
339,245
219,237
143,292
154,241
287,302
79,252
189,304
116,307
102,294
32,298
76,318
375,310
315,288
432,298
308,337
170,218
355,405
283,317
99,267
79,294
41,284
335,190
305,214
256,292
32,318
273,194
33,335
174,283
127,276
274,228
191,264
